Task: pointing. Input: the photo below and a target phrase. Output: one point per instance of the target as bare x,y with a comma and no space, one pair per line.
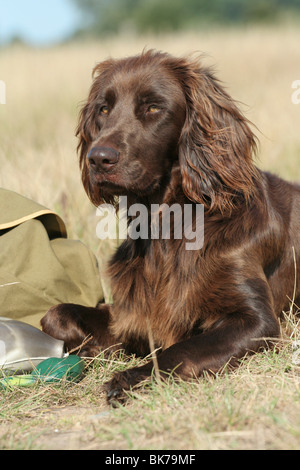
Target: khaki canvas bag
39,266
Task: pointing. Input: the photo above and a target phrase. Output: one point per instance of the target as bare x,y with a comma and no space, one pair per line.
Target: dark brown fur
203,308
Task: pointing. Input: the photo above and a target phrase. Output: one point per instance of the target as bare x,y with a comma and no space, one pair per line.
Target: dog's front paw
121,383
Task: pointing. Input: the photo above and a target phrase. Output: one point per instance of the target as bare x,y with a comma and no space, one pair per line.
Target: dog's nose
103,158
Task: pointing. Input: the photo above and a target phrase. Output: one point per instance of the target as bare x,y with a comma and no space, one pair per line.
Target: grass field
255,407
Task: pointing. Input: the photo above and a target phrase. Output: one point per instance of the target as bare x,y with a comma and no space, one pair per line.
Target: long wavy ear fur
88,129
216,144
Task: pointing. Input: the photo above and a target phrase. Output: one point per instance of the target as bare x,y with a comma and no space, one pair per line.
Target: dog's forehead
143,80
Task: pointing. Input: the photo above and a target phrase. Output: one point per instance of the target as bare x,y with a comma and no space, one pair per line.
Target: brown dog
160,129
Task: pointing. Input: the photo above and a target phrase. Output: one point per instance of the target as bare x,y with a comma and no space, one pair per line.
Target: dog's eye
104,110
153,108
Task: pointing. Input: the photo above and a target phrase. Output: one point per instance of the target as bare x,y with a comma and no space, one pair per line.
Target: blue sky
40,22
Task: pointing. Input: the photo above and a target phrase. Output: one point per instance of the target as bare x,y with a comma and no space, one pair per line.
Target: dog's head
147,113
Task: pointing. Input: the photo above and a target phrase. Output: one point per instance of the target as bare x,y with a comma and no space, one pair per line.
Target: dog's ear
88,128
216,143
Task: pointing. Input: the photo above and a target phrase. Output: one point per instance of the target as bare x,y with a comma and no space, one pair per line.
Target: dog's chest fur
153,291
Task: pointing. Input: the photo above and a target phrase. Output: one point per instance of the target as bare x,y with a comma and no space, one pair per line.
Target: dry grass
257,406
254,407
